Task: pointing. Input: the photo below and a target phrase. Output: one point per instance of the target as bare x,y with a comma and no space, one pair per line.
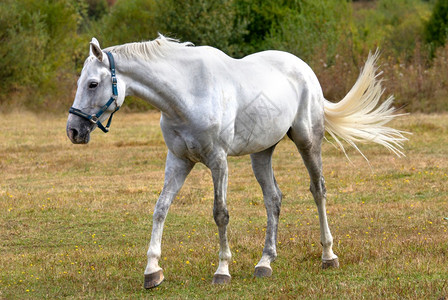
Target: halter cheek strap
94,118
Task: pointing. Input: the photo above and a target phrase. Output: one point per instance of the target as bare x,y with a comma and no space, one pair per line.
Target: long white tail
357,119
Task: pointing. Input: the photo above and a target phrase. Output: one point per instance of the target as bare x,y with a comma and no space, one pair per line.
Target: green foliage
394,25
37,38
203,22
128,21
310,25
260,17
44,42
23,39
436,30
96,9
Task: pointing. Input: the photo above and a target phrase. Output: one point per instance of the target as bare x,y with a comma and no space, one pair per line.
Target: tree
38,42
436,30
128,21
202,22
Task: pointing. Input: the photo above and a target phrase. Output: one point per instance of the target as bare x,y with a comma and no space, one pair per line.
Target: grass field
75,219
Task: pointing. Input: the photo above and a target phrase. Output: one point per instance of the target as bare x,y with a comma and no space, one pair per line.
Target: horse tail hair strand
357,118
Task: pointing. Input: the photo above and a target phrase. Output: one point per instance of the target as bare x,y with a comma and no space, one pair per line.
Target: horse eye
93,85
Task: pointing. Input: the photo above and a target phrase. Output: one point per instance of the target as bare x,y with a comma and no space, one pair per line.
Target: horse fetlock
153,261
152,266
327,244
263,268
269,255
225,256
222,271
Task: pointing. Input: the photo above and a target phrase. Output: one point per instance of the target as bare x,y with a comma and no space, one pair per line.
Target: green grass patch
75,220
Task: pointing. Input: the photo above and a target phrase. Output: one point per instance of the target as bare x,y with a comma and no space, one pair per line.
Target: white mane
150,49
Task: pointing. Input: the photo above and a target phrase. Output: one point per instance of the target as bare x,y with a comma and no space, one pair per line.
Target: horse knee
159,214
328,242
270,252
221,217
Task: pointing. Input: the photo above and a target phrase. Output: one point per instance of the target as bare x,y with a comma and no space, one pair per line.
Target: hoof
154,279
333,263
261,272
221,279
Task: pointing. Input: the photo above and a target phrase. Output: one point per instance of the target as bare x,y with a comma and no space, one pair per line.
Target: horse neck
155,81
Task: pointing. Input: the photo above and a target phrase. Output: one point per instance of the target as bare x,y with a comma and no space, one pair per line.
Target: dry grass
75,220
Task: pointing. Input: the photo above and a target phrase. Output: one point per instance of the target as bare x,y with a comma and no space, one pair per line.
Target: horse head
95,101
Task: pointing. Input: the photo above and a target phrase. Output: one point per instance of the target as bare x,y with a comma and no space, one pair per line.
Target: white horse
214,106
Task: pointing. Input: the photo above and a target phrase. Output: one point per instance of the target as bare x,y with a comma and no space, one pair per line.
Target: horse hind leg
262,167
308,140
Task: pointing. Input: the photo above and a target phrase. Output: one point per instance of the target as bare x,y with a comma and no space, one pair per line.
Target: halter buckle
93,119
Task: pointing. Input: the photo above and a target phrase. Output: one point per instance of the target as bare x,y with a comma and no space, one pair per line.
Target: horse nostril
72,134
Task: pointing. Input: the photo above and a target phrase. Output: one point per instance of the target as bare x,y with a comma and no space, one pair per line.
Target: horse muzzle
78,130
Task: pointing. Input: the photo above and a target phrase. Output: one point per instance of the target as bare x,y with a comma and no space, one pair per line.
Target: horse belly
262,122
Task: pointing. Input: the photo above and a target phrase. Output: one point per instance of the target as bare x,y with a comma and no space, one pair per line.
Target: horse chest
188,141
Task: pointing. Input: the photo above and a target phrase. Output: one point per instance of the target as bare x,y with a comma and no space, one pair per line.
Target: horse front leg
218,167
176,170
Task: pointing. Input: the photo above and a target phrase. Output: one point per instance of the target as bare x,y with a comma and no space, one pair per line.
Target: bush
128,21
44,42
96,9
311,25
24,38
436,29
37,41
396,26
202,22
416,86
317,31
259,18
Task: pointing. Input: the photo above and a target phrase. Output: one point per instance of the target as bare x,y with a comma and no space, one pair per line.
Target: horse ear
95,49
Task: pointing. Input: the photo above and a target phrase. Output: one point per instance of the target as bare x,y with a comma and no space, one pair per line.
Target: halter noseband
94,118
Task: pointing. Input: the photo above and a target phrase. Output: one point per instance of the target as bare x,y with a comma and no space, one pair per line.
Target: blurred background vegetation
44,42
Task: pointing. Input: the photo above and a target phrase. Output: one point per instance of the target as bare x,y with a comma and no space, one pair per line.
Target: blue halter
95,117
